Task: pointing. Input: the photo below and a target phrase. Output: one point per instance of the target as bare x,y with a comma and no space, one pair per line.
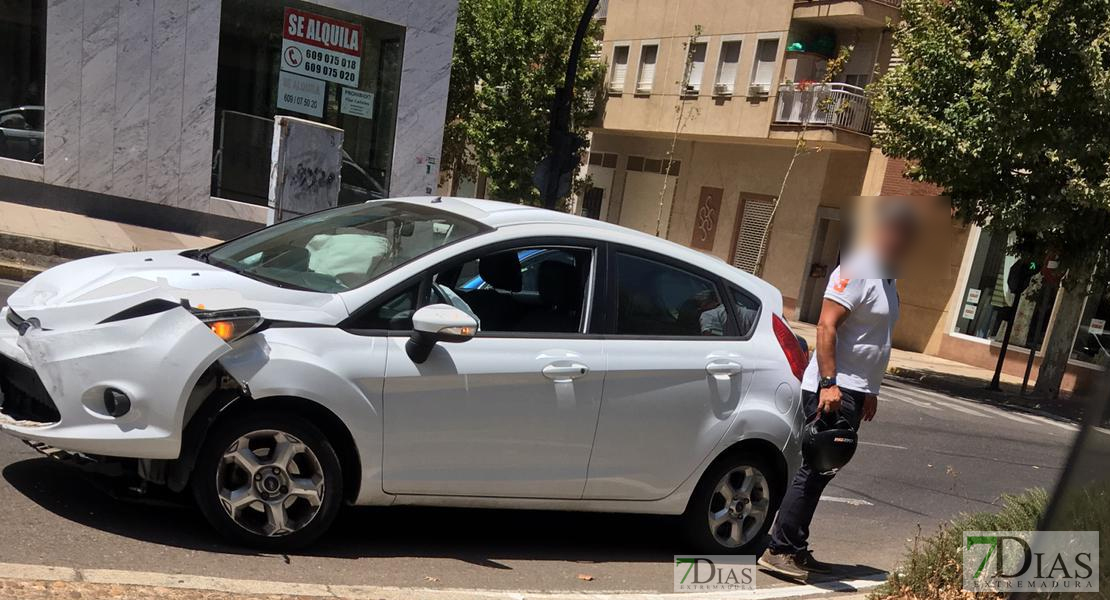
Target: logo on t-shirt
841,285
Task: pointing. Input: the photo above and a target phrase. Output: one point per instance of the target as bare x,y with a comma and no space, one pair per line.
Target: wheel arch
223,404
753,445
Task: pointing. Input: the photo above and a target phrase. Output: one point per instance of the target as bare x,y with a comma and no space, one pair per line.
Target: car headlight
231,324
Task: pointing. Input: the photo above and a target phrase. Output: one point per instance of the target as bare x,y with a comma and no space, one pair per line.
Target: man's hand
828,399
870,406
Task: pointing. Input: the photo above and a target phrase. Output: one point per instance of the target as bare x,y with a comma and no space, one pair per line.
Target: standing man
853,347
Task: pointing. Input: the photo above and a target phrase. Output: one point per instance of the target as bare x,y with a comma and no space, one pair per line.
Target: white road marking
950,403
366,592
907,400
852,501
883,445
959,404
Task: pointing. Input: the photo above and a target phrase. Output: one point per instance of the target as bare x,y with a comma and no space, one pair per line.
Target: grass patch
933,569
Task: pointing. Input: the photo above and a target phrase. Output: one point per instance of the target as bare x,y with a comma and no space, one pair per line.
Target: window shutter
730,58
620,66
647,67
766,53
697,66
753,222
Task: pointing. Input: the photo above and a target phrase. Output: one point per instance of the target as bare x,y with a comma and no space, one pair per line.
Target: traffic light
1021,274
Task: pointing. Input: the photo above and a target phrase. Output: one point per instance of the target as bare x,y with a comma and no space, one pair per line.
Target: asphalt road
925,459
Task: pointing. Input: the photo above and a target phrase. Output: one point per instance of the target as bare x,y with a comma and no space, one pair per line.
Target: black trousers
790,533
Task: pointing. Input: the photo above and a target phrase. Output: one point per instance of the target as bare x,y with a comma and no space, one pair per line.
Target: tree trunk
1057,349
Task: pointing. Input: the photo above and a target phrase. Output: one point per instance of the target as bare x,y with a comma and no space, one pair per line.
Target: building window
727,69
620,69
648,55
697,69
986,305
22,73
272,63
763,72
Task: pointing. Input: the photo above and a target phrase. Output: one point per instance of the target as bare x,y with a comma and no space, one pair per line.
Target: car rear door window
657,299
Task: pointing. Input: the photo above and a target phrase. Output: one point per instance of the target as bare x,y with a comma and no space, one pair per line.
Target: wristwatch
826,382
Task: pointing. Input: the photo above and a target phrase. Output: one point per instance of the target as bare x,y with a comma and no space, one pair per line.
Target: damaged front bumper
54,382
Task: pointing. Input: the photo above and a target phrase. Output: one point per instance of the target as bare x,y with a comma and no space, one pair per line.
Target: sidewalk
33,239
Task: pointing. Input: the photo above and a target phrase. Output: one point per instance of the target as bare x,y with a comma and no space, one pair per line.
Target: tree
510,57
1004,105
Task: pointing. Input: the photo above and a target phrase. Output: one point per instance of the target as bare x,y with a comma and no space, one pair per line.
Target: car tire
733,520
272,481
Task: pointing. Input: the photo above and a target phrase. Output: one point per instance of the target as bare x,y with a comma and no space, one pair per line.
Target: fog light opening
116,403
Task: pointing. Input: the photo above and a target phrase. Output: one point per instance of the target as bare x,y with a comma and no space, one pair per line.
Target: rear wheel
733,505
269,481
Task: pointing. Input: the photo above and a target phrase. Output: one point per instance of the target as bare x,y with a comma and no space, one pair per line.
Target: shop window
1092,340
986,305
22,74
311,62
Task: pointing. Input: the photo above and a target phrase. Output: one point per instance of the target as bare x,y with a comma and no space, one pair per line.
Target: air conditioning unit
616,87
722,89
759,89
643,88
691,90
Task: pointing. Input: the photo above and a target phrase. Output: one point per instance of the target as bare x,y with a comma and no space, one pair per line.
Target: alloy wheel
739,507
270,483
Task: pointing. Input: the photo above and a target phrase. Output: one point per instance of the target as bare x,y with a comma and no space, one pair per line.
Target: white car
431,351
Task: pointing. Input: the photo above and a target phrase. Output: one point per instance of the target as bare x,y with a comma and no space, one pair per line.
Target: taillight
790,346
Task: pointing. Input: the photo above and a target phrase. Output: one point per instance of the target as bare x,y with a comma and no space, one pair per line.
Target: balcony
857,14
832,105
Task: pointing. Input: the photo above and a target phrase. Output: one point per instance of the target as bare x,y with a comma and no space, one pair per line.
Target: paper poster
973,296
1098,326
969,311
357,103
300,94
321,47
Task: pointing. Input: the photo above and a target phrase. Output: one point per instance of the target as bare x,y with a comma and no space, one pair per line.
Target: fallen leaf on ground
430,578
585,577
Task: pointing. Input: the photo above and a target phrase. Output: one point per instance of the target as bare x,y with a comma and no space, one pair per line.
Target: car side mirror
438,323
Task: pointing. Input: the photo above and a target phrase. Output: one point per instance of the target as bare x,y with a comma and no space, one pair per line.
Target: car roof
500,215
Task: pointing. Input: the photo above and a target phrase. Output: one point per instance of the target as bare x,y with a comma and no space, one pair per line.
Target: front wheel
273,482
733,505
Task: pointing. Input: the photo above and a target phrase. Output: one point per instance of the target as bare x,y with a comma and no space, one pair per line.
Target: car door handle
726,368
565,372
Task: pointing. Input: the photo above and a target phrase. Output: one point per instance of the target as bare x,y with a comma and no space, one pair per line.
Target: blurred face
895,239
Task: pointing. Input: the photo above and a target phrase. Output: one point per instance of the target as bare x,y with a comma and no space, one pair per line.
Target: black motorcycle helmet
828,442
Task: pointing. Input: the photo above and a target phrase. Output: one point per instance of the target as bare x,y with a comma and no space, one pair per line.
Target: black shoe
804,560
783,564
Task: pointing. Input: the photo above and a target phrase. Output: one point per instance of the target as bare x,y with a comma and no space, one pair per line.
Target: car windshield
341,249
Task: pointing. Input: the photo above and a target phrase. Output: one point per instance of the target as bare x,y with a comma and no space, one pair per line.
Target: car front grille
24,396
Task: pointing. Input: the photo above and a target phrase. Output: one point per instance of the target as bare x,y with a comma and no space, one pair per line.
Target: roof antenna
437,199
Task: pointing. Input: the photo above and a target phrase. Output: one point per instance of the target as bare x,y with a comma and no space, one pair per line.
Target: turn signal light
225,330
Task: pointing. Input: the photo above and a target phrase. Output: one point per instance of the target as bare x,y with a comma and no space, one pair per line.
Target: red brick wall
896,185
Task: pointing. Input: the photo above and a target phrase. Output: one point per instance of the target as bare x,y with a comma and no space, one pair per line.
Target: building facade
701,158
160,112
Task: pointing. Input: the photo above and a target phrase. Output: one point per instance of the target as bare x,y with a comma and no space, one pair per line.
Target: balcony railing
824,105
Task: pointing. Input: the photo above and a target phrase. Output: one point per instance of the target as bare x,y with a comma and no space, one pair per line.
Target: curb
19,271
22,257
846,590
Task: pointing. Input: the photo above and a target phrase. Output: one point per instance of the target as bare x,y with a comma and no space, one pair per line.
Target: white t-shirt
863,339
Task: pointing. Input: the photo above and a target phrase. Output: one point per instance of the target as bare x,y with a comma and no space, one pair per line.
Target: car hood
84,292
